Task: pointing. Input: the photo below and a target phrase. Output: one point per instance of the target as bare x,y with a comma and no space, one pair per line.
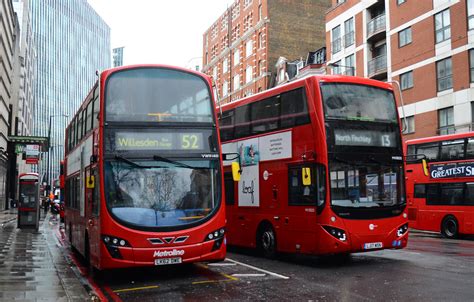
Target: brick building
428,46
242,47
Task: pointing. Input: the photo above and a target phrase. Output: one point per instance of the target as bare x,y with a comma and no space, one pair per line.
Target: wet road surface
430,269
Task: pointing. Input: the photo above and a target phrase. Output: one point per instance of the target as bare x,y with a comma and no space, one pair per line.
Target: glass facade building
73,42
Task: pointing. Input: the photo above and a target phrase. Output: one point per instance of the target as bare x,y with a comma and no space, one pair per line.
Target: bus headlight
113,243
218,237
336,233
402,230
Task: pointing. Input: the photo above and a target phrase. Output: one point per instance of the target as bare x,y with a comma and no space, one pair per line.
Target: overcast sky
160,31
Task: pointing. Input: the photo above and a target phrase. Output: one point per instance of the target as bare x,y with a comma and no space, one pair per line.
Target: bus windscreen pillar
29,201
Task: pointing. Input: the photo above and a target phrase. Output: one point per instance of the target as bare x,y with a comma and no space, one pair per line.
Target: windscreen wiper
131,163
170,161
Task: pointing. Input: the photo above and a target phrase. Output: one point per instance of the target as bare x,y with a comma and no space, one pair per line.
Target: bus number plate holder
166,261
373,245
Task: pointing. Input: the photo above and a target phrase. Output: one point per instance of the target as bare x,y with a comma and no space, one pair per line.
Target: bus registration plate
165,261
373,245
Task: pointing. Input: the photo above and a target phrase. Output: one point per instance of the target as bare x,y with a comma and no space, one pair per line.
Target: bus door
92,212
299,221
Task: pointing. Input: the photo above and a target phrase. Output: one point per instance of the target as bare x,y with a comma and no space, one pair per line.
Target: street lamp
49,146
352,68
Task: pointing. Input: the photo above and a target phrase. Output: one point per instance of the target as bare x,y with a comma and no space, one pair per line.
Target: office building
243,46
72,42
427,46
117,56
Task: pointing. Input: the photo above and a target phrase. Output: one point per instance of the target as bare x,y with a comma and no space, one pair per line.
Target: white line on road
249,275
221,264
258,269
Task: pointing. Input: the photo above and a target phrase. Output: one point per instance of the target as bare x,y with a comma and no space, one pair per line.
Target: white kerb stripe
259,269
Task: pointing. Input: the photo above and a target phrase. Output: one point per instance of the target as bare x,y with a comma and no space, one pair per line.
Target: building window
336,67
349,32
248,74
236,57
259,12
442,26
470,14
225,65
260,39
401,2
214,73
404,37
225,88
261,67
410,124
471,64
336,39
247,3
444,74
349,65
236,82
248,48
446,120
406,80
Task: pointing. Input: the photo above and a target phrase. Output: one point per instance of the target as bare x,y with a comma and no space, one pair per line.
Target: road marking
249,275
259,269
210,281
135,289
222,264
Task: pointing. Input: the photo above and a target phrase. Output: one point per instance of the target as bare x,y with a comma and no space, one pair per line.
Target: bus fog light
122,242
221,231
115,241
106,239
216,234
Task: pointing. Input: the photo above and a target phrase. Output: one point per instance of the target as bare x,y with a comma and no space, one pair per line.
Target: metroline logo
174,252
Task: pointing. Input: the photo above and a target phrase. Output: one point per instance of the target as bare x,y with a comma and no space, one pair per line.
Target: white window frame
248,48
236,82
236,57
248,74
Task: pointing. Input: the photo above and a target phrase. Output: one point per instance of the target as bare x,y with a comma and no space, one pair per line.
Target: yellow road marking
135,288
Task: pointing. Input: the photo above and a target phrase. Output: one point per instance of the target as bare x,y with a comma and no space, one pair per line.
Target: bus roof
439,138
298,83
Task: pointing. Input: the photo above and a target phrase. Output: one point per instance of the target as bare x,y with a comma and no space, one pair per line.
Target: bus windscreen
358,102
157,95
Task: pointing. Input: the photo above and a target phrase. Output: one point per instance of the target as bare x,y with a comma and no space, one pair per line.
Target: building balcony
376,27
451,129
378,67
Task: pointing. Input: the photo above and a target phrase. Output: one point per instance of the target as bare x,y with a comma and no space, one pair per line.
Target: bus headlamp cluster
402,230
115,241
214,235
336,233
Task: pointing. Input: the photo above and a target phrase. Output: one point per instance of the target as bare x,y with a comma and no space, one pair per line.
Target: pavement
35,266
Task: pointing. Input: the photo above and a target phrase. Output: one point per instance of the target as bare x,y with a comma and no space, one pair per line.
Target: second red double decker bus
143,171
322,168
440,184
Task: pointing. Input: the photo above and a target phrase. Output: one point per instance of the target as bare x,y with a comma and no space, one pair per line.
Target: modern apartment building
9,34
73,42
425,45
243,46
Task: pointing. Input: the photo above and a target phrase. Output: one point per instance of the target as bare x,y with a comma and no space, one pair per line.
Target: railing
349,71
349,39
451,129
376,25
336,45
377,65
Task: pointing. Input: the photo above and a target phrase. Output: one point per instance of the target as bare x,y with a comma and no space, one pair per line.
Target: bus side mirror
306,175
90,182
236,171
424,163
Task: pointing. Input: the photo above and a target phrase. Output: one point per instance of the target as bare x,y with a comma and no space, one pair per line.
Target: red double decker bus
440,184
322,168
143,171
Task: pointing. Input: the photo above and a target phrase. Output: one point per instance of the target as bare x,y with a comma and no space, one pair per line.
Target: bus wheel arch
450,227
266,239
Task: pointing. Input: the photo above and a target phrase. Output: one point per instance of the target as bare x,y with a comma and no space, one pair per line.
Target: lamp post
49,149
352,68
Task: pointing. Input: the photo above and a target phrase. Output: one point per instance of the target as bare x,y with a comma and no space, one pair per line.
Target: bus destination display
158,141
364,138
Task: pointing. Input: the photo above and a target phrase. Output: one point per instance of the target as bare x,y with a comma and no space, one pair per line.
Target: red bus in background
143,171
322,168
440,184
61,189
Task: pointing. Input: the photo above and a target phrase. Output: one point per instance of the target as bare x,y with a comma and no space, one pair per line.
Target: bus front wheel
449,227
266,241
